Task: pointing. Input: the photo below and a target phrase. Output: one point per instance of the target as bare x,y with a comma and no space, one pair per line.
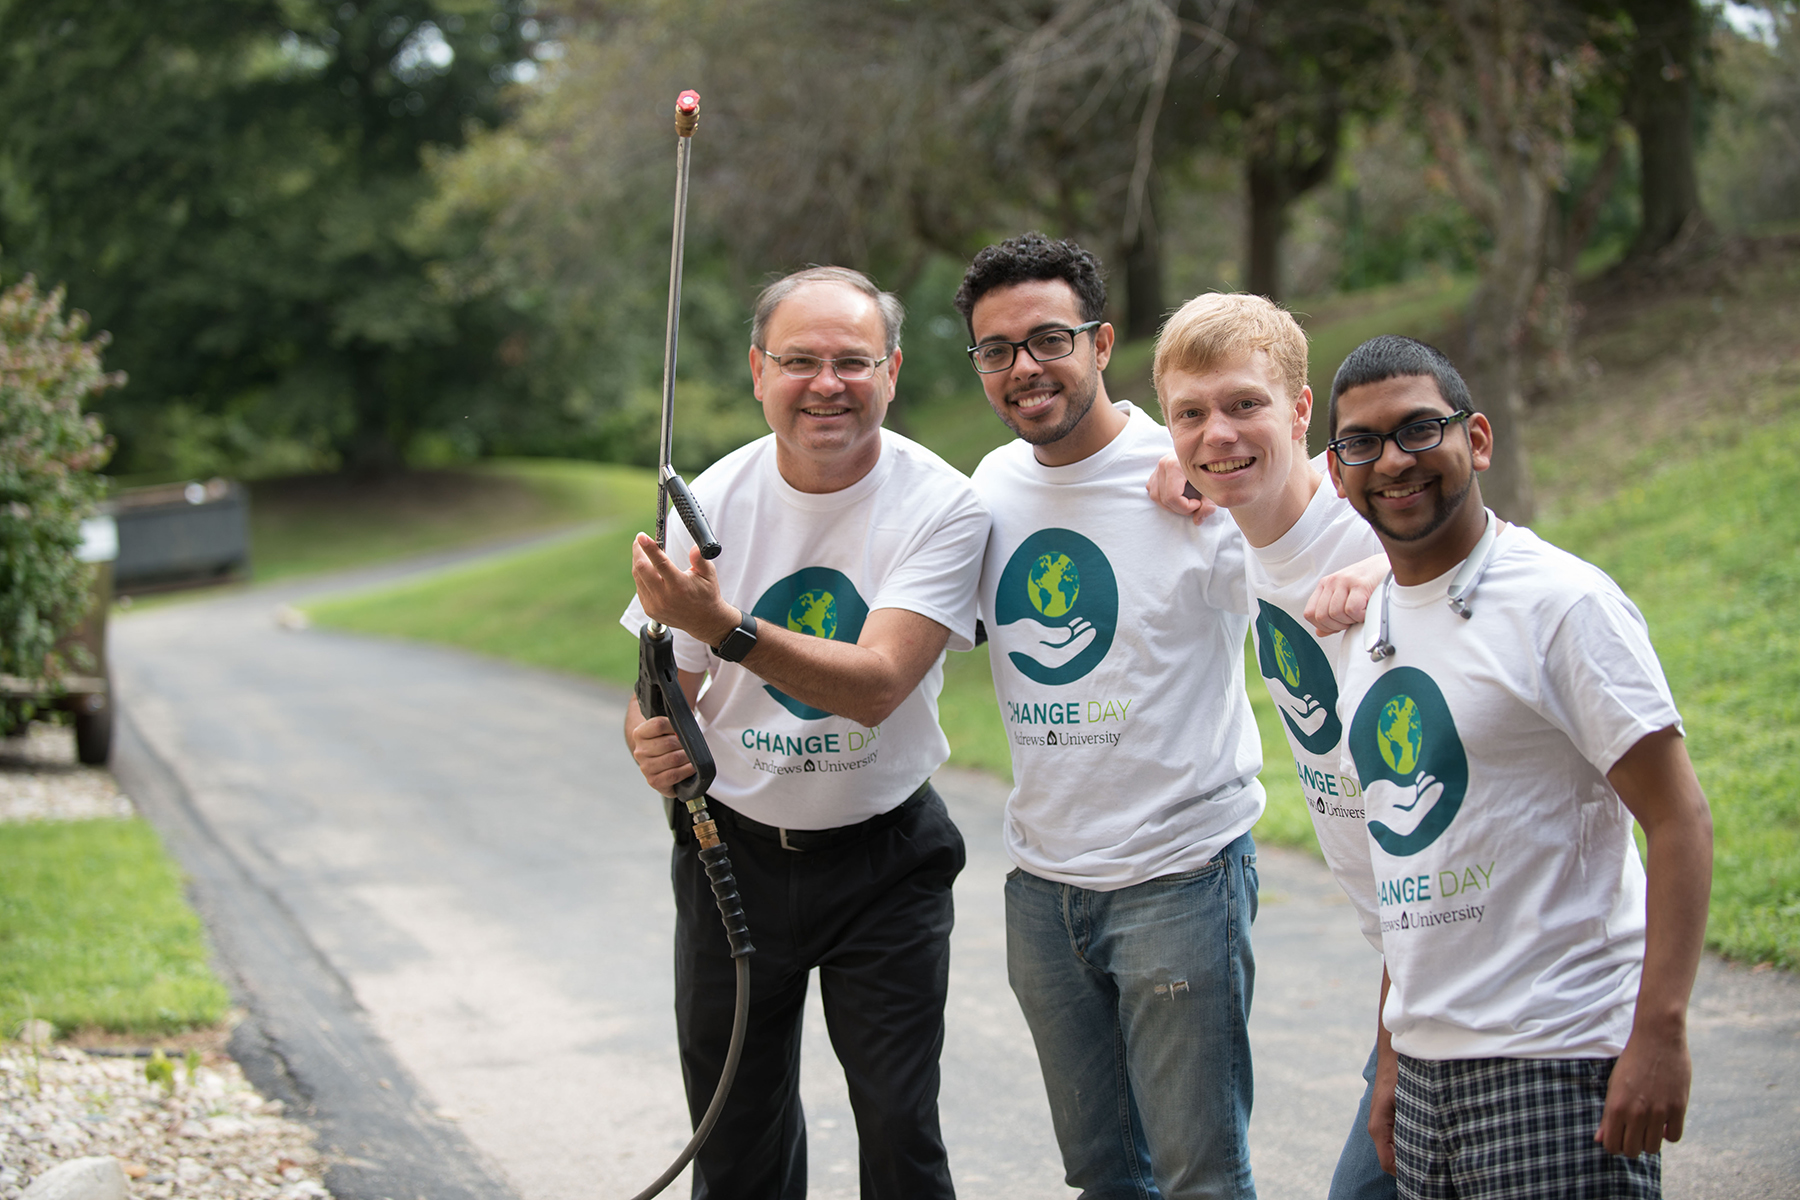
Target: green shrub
50,455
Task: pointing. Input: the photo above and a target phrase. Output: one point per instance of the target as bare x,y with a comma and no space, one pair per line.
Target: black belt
808,840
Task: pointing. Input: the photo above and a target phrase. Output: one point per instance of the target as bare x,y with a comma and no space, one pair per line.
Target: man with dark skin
1507,719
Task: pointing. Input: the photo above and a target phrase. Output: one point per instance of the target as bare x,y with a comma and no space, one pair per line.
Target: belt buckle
784,842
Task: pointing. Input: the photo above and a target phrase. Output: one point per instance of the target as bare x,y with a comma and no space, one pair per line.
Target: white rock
80,1179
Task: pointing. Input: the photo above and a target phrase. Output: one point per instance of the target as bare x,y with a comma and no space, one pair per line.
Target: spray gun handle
659,694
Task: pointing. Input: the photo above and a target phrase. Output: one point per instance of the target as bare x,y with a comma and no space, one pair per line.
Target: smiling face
1237,432
1418,503
1044,403
827,431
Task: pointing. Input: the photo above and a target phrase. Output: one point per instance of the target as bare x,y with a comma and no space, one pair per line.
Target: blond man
1230,374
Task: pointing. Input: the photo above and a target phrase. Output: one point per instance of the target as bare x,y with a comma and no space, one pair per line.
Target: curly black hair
1028,257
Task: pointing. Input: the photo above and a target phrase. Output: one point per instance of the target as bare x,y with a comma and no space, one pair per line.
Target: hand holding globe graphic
1056,644
1306,713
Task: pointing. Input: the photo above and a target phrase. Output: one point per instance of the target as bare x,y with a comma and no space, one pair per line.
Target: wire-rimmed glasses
851,368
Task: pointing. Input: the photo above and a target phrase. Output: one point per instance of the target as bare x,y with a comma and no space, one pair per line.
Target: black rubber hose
739,1020
731,912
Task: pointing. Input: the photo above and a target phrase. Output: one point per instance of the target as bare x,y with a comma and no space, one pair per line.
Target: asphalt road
440,889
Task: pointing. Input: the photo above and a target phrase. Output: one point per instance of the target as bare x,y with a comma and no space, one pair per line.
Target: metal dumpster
180,534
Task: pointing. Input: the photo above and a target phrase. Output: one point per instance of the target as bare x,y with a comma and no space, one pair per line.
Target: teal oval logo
1056,606
818,602
1403,735
1302,683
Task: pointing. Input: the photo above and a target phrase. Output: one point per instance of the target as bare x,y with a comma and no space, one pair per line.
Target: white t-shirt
1299,669
1116,634
1511,894
907,535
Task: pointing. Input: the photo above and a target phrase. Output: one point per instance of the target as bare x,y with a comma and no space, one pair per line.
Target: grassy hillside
1710,551
321,523
1672,465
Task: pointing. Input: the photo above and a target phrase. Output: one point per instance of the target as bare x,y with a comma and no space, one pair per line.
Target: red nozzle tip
688,101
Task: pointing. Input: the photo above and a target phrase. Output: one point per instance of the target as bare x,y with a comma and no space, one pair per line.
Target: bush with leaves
50,456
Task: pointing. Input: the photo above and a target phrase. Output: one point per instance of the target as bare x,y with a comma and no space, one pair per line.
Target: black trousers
874,917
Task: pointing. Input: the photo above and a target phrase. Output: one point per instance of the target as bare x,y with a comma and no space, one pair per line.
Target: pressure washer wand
670,486
659,691
659,685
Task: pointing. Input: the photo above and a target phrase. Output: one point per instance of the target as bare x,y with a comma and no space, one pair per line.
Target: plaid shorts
1508,1129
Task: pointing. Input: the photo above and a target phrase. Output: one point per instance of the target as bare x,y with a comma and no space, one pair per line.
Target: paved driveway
453,862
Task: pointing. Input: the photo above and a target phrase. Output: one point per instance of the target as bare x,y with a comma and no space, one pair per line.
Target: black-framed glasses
852,368
1047,345
1415,437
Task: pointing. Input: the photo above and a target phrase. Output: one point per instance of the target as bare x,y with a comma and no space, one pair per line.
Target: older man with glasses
851,557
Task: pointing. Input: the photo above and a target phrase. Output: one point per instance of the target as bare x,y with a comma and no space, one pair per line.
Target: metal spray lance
658,689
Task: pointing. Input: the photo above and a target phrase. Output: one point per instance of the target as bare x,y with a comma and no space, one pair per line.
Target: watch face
739,641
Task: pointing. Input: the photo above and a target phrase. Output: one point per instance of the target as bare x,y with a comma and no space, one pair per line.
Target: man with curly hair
1117,641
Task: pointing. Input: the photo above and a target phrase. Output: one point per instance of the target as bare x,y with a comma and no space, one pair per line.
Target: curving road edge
304,1039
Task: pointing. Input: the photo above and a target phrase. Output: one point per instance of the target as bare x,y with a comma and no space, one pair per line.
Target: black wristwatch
739,641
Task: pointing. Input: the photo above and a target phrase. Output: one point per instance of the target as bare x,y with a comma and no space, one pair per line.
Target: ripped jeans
1139,1001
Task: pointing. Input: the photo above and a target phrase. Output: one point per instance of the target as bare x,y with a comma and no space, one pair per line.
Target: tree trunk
1278,171
1659,103
1493,363
1268,204
370,450
1143,276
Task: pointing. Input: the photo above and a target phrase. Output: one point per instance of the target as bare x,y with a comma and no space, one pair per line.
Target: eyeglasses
1045,346
853,368
1361,449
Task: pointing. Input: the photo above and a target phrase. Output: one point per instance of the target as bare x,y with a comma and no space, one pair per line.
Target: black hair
1029,257
1391,356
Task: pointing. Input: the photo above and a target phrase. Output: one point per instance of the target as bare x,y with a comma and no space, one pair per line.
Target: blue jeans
1359,1175
1139,1001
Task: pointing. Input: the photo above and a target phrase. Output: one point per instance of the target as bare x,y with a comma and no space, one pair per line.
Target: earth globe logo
1399,734
814,612
1286,661
1053,585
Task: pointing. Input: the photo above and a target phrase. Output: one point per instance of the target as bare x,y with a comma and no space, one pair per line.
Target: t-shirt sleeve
1603,684
939,576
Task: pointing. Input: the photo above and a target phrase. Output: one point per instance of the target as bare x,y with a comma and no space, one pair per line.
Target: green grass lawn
95,934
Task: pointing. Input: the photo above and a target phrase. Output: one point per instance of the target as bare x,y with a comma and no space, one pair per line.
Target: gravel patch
211,1136
41,781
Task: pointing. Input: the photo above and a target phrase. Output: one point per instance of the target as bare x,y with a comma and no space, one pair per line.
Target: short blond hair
1220,327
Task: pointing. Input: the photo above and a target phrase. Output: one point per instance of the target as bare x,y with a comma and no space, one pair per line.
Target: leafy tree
1102,98
228,185
1498,83
1300,72
50,456
1751,162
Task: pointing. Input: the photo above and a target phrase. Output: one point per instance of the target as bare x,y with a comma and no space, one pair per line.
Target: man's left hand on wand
685,600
